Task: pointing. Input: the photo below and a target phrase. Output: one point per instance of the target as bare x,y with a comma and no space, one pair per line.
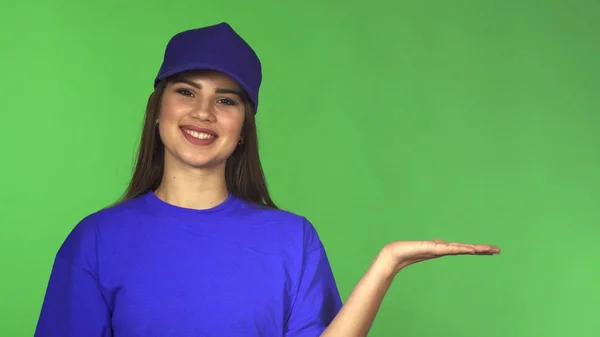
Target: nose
204,111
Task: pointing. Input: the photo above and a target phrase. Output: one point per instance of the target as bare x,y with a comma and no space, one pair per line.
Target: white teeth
199,135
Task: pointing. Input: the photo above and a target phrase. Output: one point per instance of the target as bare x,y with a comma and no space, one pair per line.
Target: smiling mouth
198,135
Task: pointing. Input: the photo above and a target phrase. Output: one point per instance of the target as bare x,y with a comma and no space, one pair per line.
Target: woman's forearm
358,312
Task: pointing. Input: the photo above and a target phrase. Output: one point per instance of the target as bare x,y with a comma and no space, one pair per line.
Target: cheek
168,118
232,127
172,112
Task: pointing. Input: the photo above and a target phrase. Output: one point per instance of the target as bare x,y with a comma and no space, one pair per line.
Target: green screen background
471,121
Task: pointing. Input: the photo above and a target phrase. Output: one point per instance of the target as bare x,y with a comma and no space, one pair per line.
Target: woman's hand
357,314
404,253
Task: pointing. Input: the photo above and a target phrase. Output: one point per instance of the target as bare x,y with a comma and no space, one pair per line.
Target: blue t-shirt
147,268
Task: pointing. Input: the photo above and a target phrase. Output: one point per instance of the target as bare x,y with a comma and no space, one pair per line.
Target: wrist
385,266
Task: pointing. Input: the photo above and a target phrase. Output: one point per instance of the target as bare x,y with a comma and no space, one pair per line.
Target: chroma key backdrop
380,120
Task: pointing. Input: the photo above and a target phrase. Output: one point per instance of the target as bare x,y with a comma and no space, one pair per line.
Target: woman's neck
193,188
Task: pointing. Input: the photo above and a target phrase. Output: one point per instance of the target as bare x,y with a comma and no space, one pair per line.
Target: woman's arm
74,305
358,313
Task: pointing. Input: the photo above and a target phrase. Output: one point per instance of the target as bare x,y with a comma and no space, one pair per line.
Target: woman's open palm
406,253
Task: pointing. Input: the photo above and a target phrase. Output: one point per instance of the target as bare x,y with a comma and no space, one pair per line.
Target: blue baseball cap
217,47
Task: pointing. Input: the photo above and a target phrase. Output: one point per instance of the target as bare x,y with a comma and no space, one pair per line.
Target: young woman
197,247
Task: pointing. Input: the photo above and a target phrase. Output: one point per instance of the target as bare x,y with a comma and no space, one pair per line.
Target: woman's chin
204,162
192,158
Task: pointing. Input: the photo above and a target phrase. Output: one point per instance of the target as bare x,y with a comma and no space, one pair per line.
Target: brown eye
185,92
227,101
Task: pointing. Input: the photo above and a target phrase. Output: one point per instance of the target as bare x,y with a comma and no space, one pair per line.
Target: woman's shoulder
83,239
113,215
269,215
287,223
120,211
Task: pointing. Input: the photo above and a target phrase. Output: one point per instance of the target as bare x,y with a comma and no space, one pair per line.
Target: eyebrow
219,90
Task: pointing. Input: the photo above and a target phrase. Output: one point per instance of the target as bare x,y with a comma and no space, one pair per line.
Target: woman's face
201,118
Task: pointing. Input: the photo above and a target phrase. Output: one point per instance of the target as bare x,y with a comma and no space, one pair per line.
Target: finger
456,248
478,249
486,249
441,248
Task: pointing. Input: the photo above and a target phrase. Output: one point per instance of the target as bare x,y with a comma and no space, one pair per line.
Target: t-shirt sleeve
317,300
73,304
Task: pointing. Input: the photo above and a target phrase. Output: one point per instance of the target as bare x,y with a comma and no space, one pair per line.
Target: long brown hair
243,170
